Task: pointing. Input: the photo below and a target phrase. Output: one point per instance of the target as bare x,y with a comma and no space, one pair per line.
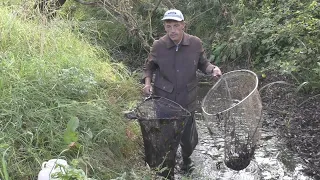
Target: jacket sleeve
203,64
150,64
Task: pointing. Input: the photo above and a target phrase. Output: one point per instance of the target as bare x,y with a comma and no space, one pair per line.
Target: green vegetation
261,35
49,76
281,36
63,88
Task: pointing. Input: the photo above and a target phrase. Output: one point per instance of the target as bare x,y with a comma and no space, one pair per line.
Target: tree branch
171,6
122,13
94,3
155,8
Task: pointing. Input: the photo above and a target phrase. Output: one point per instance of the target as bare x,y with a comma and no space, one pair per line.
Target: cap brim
172,18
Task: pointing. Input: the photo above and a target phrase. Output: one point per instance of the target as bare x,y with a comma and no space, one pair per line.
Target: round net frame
233,105
162,123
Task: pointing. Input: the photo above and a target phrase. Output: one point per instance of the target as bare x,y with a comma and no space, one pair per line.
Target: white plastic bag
50,167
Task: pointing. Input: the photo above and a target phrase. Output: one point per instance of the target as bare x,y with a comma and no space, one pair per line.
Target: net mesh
162,122
233,105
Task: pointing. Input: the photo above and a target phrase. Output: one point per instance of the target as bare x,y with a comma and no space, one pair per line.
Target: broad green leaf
70,137
73,124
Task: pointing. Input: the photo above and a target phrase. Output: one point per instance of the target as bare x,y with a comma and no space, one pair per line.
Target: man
174,59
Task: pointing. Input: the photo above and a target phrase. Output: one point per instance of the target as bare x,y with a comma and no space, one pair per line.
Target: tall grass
49,74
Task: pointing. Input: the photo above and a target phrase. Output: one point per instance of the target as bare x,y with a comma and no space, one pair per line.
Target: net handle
222,78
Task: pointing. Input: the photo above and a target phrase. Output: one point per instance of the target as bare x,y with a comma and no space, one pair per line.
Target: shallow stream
272,160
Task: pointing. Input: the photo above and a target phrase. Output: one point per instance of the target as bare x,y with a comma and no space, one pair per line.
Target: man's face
174,29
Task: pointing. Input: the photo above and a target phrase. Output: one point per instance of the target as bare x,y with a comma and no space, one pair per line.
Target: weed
49,74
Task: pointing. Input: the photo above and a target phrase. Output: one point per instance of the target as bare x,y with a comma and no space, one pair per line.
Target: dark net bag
162,123
233,105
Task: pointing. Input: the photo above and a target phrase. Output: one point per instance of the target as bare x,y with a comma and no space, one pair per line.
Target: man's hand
216,72
147,90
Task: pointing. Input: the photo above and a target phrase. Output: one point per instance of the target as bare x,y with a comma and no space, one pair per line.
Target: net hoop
217,83
154,97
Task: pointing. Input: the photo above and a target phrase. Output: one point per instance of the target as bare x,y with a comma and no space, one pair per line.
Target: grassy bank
49,75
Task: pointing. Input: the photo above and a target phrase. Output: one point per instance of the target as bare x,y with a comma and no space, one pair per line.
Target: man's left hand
216,72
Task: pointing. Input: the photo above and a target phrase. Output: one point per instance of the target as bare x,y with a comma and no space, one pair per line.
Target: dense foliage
60,97
65,69
283,36
262,35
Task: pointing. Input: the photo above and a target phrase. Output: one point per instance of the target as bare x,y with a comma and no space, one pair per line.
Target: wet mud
280,153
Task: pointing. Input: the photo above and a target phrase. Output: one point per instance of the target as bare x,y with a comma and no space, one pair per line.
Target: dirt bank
296,117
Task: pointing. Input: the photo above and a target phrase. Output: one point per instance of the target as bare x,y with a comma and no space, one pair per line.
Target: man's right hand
147,90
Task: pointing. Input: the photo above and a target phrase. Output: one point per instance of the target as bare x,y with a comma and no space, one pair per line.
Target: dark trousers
189,139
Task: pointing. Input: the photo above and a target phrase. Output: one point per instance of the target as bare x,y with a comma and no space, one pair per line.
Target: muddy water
272,161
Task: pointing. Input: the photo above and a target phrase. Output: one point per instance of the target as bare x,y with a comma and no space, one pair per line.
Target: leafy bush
282,36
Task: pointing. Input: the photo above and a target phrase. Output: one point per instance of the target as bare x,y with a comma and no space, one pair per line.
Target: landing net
233,105
162,122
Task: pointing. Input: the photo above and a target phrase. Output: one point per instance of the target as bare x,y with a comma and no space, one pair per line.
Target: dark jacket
175,69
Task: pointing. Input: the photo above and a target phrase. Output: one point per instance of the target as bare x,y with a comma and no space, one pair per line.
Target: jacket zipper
175,71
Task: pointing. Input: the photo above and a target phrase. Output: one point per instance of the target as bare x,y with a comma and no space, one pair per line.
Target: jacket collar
185,40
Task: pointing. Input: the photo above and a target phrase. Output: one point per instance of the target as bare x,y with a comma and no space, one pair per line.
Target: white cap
173,14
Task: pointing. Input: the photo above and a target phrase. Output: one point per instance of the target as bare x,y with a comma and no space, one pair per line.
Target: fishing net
233,105
162,122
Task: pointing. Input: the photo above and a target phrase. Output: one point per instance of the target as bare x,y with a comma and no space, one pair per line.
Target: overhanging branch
122,13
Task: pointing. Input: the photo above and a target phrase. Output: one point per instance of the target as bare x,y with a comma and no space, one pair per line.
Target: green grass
49,74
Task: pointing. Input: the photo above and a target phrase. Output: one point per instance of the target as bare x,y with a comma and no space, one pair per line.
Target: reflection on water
272,161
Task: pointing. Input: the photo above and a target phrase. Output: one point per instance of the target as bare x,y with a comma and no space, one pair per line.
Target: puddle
272,161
